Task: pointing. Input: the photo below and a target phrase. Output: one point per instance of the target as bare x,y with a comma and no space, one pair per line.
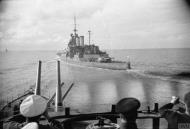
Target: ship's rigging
78,50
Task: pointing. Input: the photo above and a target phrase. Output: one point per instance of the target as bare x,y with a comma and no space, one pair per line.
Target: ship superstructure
84,52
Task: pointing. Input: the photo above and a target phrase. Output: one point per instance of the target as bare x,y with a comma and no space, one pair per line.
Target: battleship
77,52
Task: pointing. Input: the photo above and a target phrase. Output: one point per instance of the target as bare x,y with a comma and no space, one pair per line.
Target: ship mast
75,26
89,36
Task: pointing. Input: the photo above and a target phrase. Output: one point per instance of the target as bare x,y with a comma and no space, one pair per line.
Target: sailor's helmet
127,105
33,105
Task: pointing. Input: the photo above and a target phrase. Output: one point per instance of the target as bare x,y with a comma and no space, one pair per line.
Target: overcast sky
115,24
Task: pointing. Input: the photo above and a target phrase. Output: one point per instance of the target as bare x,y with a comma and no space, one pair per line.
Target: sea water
18,70
156,75
168,60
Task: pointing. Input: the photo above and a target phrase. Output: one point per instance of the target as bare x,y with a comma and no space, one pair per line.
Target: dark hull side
113,65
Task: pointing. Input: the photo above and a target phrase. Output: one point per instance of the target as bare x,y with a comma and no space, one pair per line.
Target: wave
185,75
182,77
5,70
168,74
24,66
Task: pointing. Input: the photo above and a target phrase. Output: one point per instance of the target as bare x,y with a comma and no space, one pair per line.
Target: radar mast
75,26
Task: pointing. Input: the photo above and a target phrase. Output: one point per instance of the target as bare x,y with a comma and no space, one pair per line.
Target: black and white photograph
94,64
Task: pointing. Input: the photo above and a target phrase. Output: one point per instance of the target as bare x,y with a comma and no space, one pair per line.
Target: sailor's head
128,107
33,107
187,102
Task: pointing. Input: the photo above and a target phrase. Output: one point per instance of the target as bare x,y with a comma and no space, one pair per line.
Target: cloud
115,23
41,20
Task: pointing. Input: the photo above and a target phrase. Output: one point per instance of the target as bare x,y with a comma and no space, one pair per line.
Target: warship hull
112,65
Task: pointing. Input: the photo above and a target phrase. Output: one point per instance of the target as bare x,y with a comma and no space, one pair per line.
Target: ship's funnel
58,102
77,41
38,80
81,40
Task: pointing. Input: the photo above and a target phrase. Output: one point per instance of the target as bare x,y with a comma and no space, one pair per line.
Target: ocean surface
156,75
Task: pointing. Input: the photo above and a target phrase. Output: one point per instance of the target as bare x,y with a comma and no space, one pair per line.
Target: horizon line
102,49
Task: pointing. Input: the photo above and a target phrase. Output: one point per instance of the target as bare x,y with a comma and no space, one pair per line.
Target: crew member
127,108
32,108
176,117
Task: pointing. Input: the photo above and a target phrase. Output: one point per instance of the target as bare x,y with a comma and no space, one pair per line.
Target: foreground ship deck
65,114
